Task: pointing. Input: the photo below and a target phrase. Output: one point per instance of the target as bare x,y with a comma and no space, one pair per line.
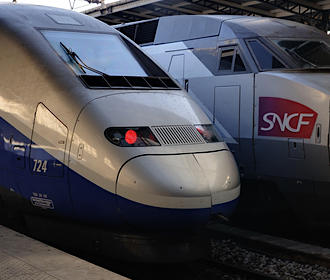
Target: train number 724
40,166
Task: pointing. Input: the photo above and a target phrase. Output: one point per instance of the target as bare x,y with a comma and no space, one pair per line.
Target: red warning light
130,136
200,130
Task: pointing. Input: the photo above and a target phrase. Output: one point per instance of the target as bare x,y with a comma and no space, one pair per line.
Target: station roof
310,12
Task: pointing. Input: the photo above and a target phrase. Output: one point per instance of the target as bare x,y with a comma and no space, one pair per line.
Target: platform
22,258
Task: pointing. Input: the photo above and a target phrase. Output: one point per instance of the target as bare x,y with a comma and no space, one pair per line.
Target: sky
79,5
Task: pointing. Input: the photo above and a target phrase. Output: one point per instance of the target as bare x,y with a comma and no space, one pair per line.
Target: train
98,141
265,83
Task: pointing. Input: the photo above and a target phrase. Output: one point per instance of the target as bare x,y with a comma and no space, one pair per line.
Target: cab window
265,59
306,53
230,61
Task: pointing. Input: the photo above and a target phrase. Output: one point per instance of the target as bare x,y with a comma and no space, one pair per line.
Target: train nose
223,178
176,190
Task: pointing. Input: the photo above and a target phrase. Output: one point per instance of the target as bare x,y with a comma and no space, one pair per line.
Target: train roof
17,16
189,27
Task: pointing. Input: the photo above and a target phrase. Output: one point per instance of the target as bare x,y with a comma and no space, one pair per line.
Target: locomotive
98,141
265,84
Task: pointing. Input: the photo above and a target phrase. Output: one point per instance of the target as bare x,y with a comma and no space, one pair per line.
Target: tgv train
265,83
93,132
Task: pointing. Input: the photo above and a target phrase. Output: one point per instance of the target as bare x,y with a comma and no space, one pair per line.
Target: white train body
265,83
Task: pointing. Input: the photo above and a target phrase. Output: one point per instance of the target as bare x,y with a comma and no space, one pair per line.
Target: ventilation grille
178,135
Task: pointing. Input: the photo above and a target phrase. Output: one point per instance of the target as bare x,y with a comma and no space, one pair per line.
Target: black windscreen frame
141,33
146,32
145,61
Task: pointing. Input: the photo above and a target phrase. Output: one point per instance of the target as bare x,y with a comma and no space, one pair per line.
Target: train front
155,160
144,158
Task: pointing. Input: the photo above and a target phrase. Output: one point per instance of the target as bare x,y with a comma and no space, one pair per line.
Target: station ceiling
314,13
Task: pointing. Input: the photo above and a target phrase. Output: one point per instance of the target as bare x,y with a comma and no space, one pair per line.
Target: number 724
40,166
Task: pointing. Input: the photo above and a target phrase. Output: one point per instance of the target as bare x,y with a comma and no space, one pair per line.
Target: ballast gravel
229,252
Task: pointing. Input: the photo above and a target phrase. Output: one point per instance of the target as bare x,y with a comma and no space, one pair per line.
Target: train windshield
306,53
110,54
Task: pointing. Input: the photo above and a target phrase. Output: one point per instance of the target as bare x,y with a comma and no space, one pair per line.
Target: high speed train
265,83
95,135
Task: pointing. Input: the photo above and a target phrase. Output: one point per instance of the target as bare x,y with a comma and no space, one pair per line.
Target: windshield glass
108,53
307,53
264,58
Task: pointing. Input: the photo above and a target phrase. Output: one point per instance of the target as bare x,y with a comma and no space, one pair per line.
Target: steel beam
293,7
176,8
310,12
118,6
218,5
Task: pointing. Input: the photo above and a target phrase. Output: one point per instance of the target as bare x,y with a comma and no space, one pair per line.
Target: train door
233,103
48,186
176,68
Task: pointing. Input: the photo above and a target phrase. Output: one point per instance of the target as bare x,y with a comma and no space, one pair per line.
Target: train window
307,53
239,65
146,32
128,30
226,59
231,61
265,59
142,33
109,54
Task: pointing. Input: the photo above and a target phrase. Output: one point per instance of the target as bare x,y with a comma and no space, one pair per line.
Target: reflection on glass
265,58
307,53
226,59
107,53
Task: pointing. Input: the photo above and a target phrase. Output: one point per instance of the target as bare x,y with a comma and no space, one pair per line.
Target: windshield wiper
116,81
82,65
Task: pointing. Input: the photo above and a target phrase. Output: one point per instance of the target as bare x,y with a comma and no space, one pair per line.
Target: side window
141,33
263,56
230,60
226,59
239,65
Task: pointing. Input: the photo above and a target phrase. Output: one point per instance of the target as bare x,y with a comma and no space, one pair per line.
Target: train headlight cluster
131,137
208,133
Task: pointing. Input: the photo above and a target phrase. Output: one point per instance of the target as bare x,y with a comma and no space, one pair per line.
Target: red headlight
208,133
131,137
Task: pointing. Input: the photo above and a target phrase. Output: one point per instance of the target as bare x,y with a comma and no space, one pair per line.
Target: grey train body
269,103
102,136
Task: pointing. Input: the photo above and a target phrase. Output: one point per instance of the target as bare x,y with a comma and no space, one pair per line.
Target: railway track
199,270
231,271
269,256
237,254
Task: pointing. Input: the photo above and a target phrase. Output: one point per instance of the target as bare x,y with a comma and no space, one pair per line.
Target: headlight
131,136
208,133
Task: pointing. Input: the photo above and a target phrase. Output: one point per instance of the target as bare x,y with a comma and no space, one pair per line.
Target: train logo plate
285,118
42,202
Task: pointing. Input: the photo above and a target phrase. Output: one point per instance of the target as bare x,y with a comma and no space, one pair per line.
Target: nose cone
173,191
223,178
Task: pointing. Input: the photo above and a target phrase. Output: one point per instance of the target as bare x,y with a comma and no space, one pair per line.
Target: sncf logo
285,118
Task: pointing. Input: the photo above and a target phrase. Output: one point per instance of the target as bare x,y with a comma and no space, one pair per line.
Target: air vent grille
178,135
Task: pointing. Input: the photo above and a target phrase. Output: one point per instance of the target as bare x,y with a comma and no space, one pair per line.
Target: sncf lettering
285,118
272,118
